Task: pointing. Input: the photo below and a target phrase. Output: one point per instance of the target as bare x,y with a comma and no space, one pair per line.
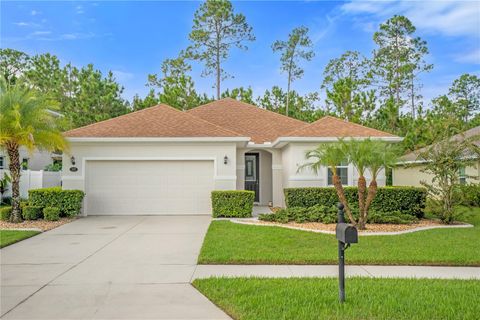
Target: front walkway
285,271
119,267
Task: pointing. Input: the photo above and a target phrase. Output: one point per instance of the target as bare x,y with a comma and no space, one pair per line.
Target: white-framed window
342,172
462,176
2,162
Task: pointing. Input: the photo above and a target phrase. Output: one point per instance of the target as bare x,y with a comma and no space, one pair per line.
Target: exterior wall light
225,159
72,160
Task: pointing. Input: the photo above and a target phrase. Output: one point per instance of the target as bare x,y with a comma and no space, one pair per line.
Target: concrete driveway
118,267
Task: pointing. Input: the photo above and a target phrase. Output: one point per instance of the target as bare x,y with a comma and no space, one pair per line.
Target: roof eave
239,140
282,141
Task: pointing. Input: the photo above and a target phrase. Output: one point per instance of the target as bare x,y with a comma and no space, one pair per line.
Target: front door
252,176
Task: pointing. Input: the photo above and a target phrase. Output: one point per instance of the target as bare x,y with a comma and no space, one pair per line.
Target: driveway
117,267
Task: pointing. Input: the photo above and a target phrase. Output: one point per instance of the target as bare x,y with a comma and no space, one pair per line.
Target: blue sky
133,38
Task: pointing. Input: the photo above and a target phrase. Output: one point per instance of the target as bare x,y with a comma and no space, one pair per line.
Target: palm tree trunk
372,191
362,189
337,183
14,166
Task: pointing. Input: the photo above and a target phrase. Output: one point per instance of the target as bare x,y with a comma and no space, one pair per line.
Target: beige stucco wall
37,160
224,174
412,175
294,157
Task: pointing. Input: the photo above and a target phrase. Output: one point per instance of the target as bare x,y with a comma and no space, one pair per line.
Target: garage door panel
149,187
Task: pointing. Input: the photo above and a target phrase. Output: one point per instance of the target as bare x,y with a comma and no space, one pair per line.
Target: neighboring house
37,160
409,169
164,161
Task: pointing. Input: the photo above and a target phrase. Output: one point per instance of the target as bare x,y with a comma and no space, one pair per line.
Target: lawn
8,237
367,298
230,243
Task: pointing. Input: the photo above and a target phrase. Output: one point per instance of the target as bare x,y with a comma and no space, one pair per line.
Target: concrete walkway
118,267
285,271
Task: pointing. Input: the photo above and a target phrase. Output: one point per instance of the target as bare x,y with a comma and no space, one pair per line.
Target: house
164,161
409,169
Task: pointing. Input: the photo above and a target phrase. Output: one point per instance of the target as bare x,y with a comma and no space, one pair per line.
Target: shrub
31,212
5,213
232,203
469,195
51,213
324,214
68,201
407,200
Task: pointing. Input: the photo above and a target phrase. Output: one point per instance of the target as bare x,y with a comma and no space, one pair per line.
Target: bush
232,203
469,195
5,213
328,215
407,200
31,212
51,213
68,201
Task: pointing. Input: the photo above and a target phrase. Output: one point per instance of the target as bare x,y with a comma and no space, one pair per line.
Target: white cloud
79,9
41,33
469,57
451,18
35,12
122,75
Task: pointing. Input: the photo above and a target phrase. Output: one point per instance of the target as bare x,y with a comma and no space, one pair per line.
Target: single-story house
408,172
164,161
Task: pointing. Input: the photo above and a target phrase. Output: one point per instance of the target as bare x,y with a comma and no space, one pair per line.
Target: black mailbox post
346,234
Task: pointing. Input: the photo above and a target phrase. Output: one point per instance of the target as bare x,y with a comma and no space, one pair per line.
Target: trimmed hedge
328,215
51,213
406,200
5,213
31,212
68,201
232,203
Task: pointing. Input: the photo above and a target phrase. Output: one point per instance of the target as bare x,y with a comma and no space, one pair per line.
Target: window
342,172
462,176
24,164
2,163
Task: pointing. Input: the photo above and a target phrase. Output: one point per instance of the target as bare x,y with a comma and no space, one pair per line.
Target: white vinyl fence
34,180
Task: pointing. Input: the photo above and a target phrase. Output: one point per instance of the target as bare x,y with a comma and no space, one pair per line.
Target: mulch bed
35,224
371,228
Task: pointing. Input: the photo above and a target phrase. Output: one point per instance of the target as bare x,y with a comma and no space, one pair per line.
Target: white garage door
148,187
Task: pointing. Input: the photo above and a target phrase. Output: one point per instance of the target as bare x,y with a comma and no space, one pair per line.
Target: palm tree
382,155
330,155
357,153
25,122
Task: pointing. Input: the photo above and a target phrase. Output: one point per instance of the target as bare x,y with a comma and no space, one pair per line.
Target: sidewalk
285,271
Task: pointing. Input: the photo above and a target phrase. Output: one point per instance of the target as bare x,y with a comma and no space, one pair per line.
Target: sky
132,38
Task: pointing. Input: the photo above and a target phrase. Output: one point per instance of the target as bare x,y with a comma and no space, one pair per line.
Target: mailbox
346,233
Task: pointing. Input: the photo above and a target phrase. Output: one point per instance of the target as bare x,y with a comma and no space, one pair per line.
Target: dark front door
252,176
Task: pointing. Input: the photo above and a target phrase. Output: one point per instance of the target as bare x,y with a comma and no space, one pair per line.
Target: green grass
367,298
8,237
230,243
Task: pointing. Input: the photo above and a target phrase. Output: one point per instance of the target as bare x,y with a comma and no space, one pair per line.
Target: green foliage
5,213
4,182
297,47
51,213
240,94
54,167
232,203
68,201
470,194
407,200
216,29
31,212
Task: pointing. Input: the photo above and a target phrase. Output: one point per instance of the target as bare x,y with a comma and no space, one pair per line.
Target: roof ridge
122,115
337,119
250,106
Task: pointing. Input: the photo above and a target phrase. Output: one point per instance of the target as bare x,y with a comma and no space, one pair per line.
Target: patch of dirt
371,228
35,224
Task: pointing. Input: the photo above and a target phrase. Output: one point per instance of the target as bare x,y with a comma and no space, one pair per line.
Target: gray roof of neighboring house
413,156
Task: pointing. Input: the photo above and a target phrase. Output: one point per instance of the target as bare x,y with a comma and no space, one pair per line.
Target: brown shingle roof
259,124
333,127
158,121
